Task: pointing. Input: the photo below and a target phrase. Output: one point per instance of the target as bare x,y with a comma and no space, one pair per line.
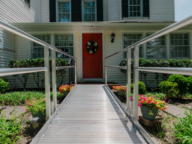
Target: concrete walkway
10,110
175,111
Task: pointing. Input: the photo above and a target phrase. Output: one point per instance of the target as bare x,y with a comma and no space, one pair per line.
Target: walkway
90,115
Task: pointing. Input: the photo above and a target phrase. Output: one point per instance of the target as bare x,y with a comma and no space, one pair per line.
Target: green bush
18,98
183,129
4,86
10,130
189,79
169,88
142,88
182,83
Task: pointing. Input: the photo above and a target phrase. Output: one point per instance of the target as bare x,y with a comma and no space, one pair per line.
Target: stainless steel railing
46,69
186,71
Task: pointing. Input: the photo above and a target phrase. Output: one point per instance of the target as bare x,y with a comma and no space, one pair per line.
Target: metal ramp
91,115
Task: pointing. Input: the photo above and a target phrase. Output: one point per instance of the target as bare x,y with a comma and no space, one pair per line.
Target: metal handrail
14,71
185,71
162,32
23,34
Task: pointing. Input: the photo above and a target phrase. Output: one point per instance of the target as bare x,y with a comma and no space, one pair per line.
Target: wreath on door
92,47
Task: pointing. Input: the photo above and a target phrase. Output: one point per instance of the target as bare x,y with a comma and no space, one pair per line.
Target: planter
145,113
41,116
121,93
65,93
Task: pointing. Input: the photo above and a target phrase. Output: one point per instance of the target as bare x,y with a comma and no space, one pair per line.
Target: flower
131,98
164,100
139,105
26,109
30,104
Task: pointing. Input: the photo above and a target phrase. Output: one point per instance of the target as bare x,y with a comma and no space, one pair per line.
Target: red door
92,63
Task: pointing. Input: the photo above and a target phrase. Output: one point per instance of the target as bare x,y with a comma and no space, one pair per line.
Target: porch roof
108,25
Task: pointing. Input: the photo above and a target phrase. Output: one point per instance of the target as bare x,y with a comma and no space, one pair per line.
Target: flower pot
41,116
121,93
145,113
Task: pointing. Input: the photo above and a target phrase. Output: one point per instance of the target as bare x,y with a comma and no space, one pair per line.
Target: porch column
47,82
54,79
129,108
136,83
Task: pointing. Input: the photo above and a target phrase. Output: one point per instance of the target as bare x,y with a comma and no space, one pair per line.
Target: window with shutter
63,11
89,10
135,8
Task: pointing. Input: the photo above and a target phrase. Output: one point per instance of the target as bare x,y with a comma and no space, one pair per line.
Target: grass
183,129
18,98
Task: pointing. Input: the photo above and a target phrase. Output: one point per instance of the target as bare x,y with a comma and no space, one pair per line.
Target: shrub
4,86
189,79
34,106
66,87
119,88
182,83
142,88
183,129
169,88
10,130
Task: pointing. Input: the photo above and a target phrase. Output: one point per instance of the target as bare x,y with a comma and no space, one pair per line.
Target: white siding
45,11
160,10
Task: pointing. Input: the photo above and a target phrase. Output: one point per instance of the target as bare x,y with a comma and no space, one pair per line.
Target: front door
92,63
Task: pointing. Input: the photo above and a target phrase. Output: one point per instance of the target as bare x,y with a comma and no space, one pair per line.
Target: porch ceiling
83,26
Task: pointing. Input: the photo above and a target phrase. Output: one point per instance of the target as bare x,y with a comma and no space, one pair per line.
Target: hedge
39,62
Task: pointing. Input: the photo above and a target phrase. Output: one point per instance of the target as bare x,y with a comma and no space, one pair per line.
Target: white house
71,24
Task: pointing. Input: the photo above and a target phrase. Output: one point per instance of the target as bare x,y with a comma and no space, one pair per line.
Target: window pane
64,11
179,46
129,39
64,43
89,11
156,48
38,50
135,8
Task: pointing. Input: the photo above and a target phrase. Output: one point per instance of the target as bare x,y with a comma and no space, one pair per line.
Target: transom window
135,8
179,46
38,50
130,39
64,11
89,10
156,48
65,43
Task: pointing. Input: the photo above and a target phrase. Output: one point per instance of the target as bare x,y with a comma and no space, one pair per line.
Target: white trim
103,52
82,5
57,8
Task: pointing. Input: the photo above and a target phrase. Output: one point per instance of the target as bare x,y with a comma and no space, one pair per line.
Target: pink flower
140,95
139,105
44,100
27,101
164,100
26,109
153,96
131,98
30,104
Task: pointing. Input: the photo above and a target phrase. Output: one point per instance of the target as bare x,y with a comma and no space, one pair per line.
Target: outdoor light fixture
112,37
35,122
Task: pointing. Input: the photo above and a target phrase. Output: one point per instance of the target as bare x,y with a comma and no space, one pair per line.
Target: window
156,48
38,50
135,8
179,46
89,10
65,43
130,39
64,12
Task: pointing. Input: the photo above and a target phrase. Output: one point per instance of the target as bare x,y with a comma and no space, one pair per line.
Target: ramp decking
90,115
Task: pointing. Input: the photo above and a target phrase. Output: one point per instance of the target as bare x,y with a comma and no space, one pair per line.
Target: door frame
81,42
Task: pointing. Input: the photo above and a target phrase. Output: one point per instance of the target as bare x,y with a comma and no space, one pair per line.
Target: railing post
47,82
128,80
75,71
54,80
105,72
136,82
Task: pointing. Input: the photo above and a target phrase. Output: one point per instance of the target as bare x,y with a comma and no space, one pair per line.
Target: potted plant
37,108
65,89
150,107
120,90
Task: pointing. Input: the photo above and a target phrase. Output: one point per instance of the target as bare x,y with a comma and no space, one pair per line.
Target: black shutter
76,10
146,8
52,10
125,9
99,10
